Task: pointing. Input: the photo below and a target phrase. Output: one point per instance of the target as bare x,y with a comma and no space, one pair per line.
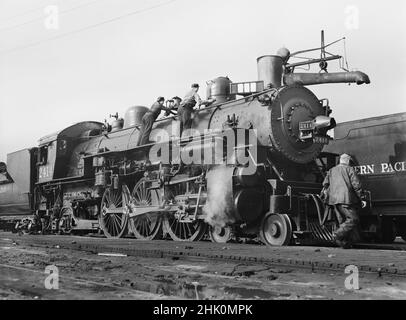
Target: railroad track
314,259
398,246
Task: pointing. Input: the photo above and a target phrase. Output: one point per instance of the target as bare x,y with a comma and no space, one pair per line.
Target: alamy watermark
352,281
51,281
213,147
51,21
351,17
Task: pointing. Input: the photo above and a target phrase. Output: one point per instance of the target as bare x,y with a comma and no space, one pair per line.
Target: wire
86,28
41,18
315,49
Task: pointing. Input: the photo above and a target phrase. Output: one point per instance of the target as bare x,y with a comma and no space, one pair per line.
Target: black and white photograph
202,156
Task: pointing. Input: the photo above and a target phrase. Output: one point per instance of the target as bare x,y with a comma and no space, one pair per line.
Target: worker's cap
345,158
160,99
195,85
176,98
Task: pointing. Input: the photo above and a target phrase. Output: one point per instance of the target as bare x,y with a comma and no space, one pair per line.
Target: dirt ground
84,275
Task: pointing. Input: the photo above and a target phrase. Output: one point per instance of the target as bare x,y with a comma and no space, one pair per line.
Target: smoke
219,205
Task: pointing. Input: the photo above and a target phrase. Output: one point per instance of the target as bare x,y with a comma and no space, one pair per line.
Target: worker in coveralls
148,120
185,110
342,190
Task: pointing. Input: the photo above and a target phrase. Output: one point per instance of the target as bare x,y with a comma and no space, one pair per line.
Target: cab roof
73,131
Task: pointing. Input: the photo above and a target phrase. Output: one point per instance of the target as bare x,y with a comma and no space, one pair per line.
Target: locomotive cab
56,151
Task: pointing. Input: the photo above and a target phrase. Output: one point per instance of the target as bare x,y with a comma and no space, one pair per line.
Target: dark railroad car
16,184
379,147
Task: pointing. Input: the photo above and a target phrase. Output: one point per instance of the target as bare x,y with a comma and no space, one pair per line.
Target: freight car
16,189
264,140
378,146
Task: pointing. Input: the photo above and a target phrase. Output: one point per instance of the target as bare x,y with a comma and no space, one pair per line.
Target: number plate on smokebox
321,139
306,125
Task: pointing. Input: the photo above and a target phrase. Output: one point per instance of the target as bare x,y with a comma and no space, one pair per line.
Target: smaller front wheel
276,230
221,235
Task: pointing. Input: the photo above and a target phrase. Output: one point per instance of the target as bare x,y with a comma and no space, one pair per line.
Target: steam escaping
219,206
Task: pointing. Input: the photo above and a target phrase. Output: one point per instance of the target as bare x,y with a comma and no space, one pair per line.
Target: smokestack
270,70
320,78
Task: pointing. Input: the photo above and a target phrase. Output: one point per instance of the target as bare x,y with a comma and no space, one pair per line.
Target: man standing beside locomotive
148,120
343,191
185,110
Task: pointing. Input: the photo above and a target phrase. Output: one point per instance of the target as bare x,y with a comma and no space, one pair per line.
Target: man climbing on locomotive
148,120
342,191
185,110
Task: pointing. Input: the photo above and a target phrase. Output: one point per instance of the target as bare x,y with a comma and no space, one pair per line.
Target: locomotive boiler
252,165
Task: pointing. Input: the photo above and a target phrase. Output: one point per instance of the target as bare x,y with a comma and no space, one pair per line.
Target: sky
103,56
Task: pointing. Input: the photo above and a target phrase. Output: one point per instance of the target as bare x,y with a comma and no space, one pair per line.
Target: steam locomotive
92,176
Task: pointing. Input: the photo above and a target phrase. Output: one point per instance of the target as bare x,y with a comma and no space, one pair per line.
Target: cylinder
248,204
133,116
244,177
270,70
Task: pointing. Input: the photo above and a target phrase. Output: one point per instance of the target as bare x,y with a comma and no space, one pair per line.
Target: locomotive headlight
320,125
324,122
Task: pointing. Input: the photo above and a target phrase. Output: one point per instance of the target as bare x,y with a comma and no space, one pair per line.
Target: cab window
43,155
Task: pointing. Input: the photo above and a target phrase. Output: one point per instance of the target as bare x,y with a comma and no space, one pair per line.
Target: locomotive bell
117,125
133,116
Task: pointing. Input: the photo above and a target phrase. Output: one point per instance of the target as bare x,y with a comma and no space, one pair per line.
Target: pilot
185,110
342,190
148,120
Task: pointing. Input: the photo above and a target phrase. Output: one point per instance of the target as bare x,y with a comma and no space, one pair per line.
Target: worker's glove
364,195
323,194
363,204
